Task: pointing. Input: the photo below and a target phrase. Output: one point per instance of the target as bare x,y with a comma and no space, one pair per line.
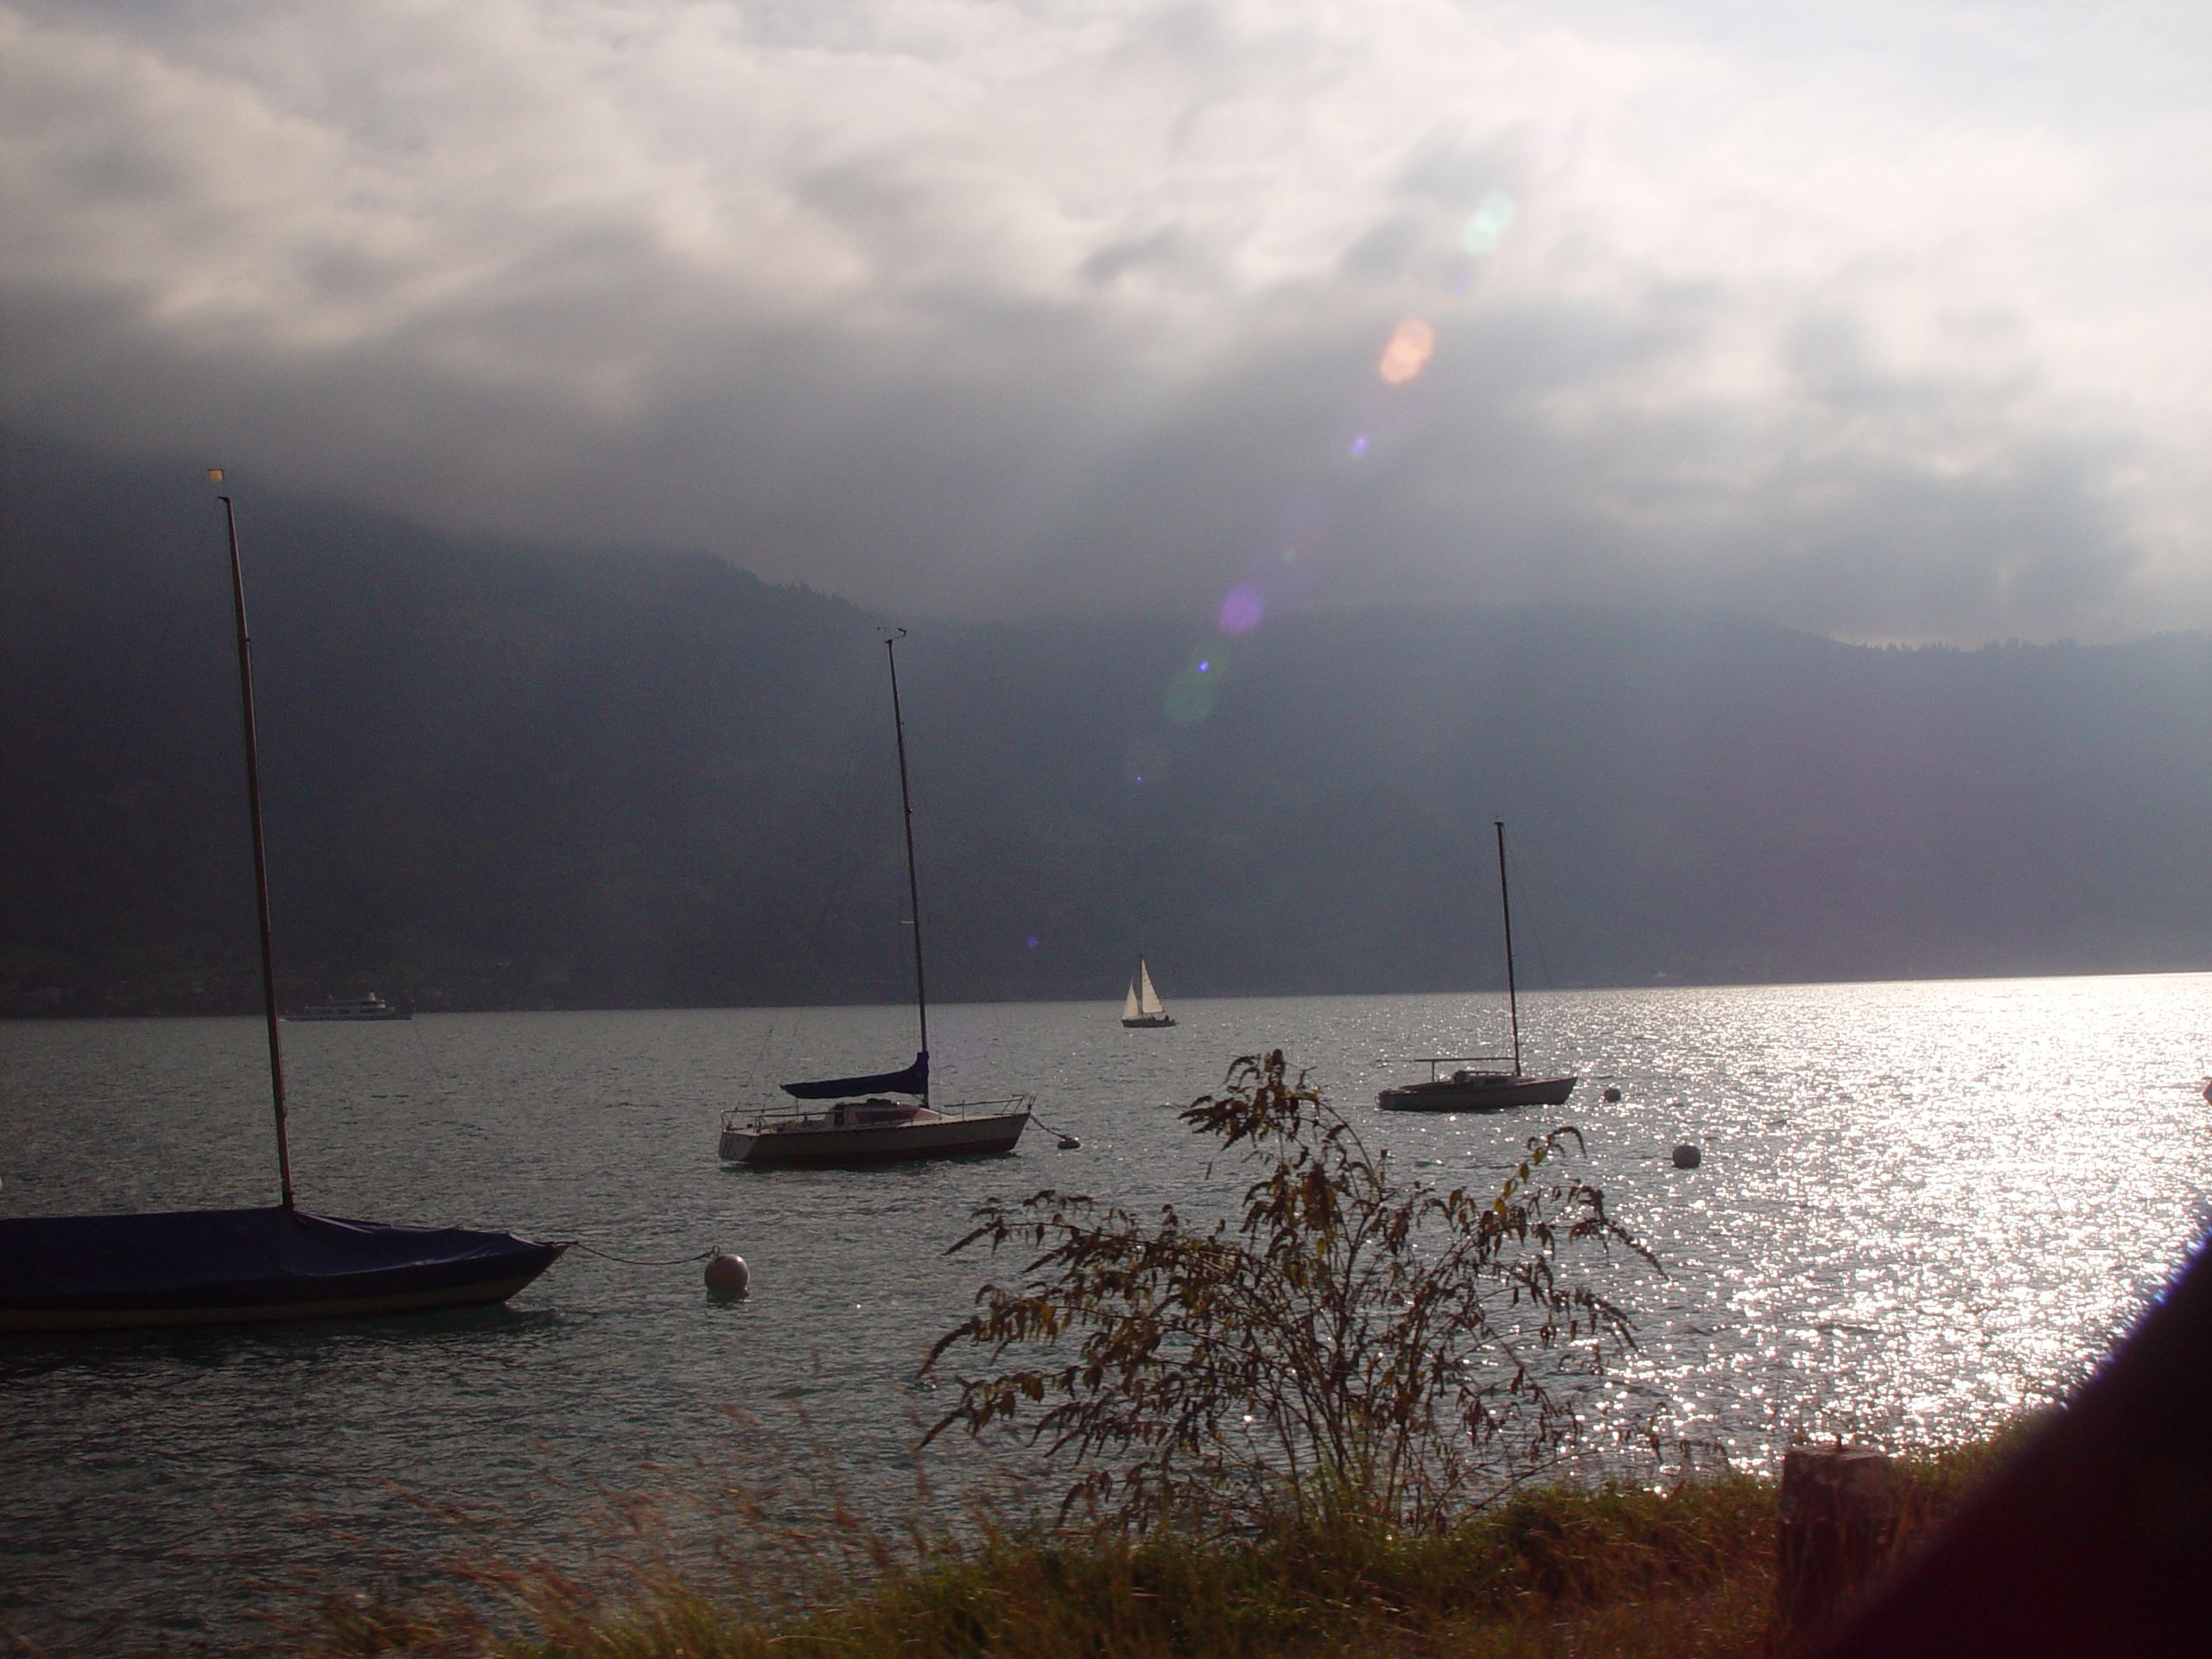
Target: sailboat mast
913,888
260,852
1505,908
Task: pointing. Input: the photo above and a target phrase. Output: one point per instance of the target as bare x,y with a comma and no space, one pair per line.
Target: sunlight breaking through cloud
1881,321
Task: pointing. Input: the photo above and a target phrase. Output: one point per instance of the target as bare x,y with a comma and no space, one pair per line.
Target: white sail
1129,1004
1150,1002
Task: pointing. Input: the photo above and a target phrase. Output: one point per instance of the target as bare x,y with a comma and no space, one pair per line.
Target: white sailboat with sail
858,1122
1142,1010
1468,1090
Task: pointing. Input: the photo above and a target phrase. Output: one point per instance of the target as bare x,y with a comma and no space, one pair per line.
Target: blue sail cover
914,1080
204,1266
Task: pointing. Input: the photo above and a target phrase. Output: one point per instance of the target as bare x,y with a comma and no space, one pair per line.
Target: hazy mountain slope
512,776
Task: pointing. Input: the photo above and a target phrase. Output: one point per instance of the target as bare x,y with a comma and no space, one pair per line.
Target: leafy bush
1352,1349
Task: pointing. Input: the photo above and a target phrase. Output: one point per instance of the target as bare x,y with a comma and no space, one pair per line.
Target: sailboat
1466,1090
223,1267
1142,1010
861,1123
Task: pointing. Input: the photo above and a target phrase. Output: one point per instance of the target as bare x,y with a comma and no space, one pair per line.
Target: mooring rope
1068,1141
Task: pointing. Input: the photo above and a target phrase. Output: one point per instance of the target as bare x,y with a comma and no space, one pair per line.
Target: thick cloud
1884,322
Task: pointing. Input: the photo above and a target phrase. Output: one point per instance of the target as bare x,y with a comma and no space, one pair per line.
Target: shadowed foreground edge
2097,1537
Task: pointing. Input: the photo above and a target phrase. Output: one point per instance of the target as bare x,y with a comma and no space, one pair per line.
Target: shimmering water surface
1919,1205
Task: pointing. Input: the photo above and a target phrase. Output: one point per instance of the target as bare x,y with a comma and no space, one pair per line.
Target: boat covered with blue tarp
219,1266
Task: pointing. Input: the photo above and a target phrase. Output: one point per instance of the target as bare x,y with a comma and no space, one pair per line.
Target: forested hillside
513,776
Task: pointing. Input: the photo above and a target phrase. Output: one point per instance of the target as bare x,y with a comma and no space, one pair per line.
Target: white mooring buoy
727,1275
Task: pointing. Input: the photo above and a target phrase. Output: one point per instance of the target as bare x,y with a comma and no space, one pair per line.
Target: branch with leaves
1347,1348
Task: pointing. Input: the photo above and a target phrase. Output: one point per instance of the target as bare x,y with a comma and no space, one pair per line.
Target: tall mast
914,888
260,853
1505,907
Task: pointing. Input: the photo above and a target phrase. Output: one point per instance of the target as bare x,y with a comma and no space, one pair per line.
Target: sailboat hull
475,1294
1148,1021
1484,1091
228,1267
764,1145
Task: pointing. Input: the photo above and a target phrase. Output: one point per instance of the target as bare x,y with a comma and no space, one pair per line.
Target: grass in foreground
1686,1571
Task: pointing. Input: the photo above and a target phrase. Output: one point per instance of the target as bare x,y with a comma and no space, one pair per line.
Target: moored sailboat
1464,1089
859,1123
1142,1010
278,1263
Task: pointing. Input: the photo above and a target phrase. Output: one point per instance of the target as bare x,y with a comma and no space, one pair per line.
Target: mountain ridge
507,776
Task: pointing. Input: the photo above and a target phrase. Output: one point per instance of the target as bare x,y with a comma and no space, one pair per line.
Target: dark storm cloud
986,311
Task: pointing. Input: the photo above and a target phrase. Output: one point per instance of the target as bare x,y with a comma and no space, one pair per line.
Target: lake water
1920,1204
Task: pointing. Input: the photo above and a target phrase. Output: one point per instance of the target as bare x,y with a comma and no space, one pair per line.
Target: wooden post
1839,1523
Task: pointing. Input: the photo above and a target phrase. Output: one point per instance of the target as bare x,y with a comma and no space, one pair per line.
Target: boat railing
763,1117
1005,1107
876,1113
1434,1060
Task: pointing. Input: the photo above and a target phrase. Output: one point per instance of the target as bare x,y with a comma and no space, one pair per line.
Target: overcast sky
1890,321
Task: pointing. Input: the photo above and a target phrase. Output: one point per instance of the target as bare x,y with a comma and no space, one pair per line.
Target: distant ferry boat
371,1006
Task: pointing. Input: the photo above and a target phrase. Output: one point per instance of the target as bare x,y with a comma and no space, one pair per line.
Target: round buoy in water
727,1275
1611,1094
1687,1156
1068,1143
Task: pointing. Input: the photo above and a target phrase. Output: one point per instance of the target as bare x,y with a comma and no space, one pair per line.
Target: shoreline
1684,1567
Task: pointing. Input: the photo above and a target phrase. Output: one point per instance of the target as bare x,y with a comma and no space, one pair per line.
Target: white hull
818,1140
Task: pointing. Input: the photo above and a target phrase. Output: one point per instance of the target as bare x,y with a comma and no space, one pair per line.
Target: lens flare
1372,430
1411,344
1493,217
1189,698
1242,607
1146,761
1303,519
